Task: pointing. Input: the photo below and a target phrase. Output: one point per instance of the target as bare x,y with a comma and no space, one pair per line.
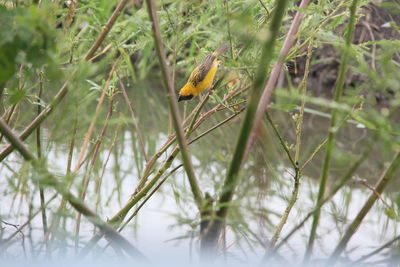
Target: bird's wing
200,72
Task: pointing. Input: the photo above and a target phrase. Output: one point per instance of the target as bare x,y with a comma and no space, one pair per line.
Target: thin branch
86,180
134,120
7,241
162,181
228,25
216,126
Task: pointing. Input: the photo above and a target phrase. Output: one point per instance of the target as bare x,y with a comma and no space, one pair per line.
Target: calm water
167,226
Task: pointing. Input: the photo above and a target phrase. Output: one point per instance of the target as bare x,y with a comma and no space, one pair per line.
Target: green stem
39,155
332,127
209,241
228,24
283,143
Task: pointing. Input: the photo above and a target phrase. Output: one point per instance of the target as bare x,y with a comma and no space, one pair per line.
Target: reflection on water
167,226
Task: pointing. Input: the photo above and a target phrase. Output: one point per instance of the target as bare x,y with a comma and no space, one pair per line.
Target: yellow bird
202,76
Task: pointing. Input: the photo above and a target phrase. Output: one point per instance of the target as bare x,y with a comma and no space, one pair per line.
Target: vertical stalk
332,127
209,241
39,155
228,25
173,105
303,90
134,120
56,219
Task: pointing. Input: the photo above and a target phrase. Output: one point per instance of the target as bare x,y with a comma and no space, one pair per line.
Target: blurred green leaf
27,36
391,213
17,96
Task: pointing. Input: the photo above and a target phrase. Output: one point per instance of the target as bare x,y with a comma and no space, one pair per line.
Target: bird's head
187,92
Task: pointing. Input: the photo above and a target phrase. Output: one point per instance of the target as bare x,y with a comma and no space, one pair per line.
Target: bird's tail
222,49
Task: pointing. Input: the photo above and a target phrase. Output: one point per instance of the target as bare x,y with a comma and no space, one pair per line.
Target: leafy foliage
27,37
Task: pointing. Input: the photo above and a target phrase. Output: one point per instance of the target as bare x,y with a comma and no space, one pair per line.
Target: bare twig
8,240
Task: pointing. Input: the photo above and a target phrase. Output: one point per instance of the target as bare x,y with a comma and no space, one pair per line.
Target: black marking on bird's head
184,97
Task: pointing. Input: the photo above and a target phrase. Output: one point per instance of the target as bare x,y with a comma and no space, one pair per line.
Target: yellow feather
190,89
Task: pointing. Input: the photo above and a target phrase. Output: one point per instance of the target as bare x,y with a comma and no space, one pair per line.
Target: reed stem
332,127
